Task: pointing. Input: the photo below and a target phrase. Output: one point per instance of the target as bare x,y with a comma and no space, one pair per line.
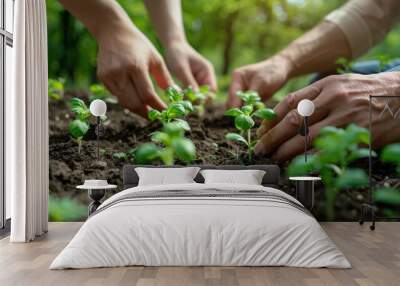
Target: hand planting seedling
198,98
390,195
79,126
336,150
177,107
98,91
244,122
169,144
56,88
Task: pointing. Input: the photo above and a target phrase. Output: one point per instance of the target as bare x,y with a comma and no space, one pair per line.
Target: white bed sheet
200,232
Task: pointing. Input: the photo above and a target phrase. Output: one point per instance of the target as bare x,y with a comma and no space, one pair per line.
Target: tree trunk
229,40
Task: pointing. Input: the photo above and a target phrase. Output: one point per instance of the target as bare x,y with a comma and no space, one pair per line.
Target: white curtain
27,124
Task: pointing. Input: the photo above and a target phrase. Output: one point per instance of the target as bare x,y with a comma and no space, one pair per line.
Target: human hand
339,101
189,67
265,77
125,61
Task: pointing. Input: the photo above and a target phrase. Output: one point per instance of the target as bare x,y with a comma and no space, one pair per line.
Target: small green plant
56,88
390,195
129,155
336,149
344,65
198,98
169,144
66,209
98,91
384,60
177,107
244,122
80,125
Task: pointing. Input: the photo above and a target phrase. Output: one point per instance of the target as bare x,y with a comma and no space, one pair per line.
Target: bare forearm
101,17
166,16
317,50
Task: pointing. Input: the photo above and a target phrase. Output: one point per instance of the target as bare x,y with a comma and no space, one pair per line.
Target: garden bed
125,131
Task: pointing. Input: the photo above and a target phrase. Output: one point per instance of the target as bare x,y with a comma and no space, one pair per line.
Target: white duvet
200,231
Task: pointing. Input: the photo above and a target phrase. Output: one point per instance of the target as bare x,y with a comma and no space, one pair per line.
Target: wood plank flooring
375,257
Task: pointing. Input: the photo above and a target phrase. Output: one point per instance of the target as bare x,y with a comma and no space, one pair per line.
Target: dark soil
124,131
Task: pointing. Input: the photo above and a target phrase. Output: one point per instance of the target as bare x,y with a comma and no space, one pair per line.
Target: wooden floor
375,257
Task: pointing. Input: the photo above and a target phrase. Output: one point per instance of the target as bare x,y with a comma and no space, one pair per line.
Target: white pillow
247,177
166,176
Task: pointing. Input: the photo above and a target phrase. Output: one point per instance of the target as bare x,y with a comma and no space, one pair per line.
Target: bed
201,224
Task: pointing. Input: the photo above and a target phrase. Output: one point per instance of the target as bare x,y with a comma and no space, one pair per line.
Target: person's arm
187,65
339,35
126,57
365,23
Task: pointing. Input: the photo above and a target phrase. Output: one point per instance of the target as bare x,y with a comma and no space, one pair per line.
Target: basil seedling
244,119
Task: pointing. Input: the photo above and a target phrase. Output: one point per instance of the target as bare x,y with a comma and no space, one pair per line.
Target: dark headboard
271,177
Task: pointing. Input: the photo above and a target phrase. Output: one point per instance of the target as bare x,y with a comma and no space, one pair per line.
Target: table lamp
305,108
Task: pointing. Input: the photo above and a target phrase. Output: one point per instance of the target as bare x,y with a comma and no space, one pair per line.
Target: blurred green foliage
230,33
66,209
337,149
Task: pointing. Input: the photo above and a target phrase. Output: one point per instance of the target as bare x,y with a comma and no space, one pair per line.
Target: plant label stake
98,108
305,108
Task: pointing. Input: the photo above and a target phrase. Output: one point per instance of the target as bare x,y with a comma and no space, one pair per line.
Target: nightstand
305,190
96,191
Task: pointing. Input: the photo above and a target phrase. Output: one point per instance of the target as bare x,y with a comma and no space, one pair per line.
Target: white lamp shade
305,107
98,107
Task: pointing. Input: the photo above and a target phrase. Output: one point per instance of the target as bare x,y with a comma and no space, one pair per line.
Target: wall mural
133,96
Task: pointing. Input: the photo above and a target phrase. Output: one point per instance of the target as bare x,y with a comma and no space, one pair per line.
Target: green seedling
198,98
177,107
390,195
169,144
80,125
244,122
130,155
56,88
336,149
98,91
344,65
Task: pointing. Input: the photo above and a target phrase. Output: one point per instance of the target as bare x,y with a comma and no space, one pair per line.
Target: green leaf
187,105
235,137
79,107
391,153
299,167
55,89
265,113
388,196
174,94
120,155
174,129
233,112
176,110
352,178
259,105
167,156
328,130
190,94
204,89
160,137
182,123
244,122
247,109
356,134
146,153
184,149
78,128
153,114
360,153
